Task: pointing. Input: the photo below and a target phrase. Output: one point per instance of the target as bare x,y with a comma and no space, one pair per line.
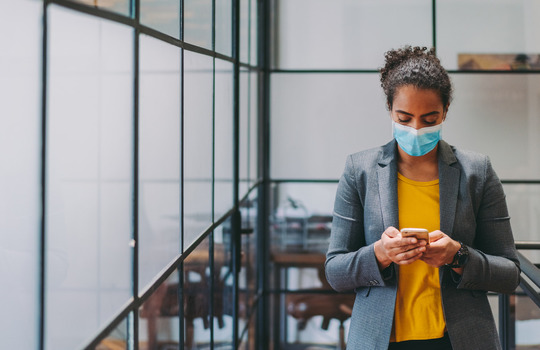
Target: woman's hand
400,250
441,250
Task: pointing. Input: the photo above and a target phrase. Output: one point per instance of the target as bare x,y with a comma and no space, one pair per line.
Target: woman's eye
430,123
401,120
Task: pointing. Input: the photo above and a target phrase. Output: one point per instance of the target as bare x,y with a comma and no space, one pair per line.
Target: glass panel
117,339
198,22
524,208
244,132
327,107
248,273
318,321
197,297
224,27
162,15
253,128
20,186
300,222
498,115
118,6
244,30
301,218
159,320
347,33
247,337
224,158
318,119
89,175
527,321
504,27
253,26
159,166
223,287
198,140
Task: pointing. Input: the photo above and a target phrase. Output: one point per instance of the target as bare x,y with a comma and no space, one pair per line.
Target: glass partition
223,139
497,115
197,294
244,131
119,6
159,317
223,32
198,22
20,142
159,156
485,32
89,175
304,308
254,136
527,316
161,15
347,34
249,263
198,144
223,286
117,339
326,118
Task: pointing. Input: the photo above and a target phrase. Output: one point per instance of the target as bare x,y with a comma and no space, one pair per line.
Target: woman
410,294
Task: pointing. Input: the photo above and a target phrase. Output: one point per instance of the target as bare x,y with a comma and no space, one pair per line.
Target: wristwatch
461,257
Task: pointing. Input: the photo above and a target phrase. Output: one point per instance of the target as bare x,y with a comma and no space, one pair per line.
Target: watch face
463,255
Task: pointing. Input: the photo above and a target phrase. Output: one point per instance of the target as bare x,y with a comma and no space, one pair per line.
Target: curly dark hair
415,66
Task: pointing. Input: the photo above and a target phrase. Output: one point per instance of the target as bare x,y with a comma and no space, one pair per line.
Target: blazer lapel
387,180
448,187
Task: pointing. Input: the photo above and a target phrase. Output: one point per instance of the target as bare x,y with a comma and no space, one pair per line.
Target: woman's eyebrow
412,115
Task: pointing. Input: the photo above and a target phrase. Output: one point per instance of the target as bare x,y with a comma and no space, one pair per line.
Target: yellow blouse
418,314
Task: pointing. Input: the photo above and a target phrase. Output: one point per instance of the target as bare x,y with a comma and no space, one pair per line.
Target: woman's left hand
441,249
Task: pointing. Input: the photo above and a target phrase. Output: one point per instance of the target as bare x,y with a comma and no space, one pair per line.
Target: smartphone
419,233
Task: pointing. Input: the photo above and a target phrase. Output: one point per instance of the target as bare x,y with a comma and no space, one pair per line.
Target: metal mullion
134,316
504,182
235,220
374,71
211,260
264,61
434,23
42,237
324,71
180,290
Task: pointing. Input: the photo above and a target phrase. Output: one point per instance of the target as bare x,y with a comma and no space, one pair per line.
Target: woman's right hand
392,248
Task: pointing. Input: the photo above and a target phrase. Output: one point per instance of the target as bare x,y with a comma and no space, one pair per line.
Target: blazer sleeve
350,264
493,264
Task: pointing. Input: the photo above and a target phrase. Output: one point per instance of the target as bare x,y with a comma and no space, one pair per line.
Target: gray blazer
473,210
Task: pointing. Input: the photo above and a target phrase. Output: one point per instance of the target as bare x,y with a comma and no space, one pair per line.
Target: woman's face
417,108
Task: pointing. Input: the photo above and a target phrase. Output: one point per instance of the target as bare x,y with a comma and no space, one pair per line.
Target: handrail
527,245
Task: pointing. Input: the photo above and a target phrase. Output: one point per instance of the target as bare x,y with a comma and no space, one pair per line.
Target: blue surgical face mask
417,142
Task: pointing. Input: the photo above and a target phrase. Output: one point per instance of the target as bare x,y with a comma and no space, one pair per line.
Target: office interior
169,166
